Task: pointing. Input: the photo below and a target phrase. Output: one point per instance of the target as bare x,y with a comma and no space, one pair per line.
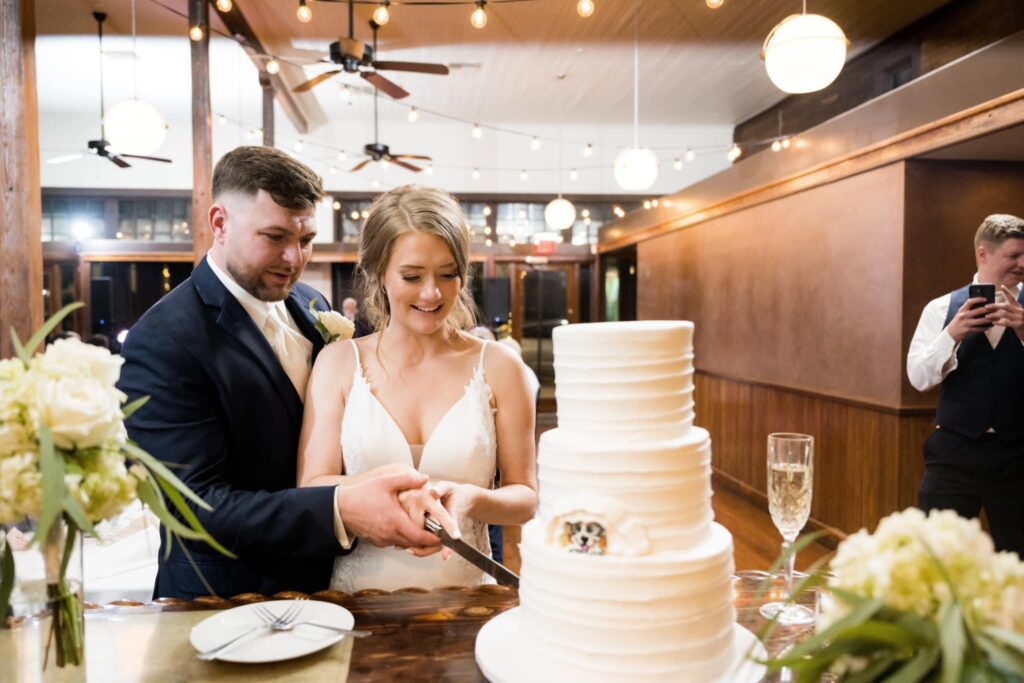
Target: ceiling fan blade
64,158
147,158
405,165
119,161
361,165
416,67
383,84
410,156
316,80
302,55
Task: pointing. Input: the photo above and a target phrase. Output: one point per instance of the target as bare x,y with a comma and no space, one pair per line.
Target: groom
224,359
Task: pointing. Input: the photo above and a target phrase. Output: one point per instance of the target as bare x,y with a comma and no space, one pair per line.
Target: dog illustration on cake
585,537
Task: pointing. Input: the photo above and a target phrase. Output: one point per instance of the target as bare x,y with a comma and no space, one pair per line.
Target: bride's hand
420,502
457,499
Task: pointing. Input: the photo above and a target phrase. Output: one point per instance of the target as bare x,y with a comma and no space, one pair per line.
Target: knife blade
500,573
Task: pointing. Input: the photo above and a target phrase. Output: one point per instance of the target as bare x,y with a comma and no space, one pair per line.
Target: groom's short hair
247,170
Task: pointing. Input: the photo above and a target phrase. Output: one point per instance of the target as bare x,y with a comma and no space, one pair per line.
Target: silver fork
285,624
265,616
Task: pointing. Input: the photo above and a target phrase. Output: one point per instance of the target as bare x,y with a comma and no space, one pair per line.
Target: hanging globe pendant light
636,167
560,214
135,127
804,53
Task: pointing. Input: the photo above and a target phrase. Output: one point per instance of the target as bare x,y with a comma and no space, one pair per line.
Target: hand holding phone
986,291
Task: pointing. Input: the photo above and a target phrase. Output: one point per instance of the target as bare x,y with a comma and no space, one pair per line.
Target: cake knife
501,574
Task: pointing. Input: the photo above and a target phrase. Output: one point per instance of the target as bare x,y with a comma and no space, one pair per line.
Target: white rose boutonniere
331,325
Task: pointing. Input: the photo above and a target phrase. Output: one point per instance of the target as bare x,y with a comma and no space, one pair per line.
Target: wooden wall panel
868,462
802,292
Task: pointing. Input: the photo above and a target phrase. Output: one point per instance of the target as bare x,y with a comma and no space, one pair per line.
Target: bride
421,393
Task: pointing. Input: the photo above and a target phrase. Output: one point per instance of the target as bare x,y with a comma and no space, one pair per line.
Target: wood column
268,109
21,247
202,131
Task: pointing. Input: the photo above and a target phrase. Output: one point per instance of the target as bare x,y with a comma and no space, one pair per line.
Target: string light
785,143
413,115
273,67
479,16
429,170
337,205
734,152
222,119
476,174
381,15
776,145
346,92
585,8
487,210
677,164
689,156
478,132
196,33
333,170
588,151
342,155
354,215
298,146
535,143
574,175
523,175
224,5
303,13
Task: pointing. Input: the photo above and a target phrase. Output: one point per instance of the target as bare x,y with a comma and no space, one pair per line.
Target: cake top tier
642,338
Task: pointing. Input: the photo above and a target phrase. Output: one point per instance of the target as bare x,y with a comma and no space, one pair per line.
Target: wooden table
418,635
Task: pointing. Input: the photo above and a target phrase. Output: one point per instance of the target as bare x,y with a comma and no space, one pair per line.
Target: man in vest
975,457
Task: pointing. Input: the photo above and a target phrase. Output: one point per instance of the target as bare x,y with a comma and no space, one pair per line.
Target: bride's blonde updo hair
412,208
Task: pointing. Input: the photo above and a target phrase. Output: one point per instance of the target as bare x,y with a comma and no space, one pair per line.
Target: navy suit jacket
222,407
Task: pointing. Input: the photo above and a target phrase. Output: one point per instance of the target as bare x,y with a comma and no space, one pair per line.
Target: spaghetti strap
480,365
355,347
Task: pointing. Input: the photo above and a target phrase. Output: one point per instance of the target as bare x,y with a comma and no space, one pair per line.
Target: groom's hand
371,510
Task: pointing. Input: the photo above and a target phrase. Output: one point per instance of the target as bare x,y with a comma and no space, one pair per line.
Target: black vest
987,388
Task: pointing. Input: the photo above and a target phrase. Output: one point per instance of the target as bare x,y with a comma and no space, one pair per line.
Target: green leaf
51,323
1002,657
19,350
857,616
191,518
147,494
6,578
953,641
129,408
69,547
74,510
917,667
51,465
1011,638
160,470
874,670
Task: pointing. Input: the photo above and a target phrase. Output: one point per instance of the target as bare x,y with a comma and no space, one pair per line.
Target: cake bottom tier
659,617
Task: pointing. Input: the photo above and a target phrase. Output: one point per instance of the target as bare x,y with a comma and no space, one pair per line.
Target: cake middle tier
664,485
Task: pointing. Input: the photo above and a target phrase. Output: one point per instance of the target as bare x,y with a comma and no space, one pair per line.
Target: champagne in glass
790,484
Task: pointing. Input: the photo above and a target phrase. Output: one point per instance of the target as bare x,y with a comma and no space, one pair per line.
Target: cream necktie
293,357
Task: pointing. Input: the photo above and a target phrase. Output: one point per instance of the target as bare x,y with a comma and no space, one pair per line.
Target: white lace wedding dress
462,449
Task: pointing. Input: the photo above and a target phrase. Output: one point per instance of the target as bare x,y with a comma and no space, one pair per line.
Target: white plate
265,645
502,658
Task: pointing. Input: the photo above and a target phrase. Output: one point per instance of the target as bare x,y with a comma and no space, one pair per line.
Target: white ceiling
542,70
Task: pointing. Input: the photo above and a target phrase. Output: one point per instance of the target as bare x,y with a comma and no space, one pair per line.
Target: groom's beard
252,280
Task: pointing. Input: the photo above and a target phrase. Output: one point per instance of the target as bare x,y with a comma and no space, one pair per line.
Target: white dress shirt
932,354
292,349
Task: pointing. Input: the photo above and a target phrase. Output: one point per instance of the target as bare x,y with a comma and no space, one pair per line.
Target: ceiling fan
101,147
355,56
376,151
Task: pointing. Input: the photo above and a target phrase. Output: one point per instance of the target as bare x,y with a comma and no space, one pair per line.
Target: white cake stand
502,658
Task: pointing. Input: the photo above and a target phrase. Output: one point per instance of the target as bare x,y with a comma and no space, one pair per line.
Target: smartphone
986,291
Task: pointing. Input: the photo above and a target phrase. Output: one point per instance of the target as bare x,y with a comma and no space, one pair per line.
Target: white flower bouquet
923,598
66,461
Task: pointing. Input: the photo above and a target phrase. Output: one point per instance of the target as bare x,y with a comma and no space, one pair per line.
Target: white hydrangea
100,481
898,563
21,487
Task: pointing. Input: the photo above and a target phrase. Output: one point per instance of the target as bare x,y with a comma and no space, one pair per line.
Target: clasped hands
388,507
977,316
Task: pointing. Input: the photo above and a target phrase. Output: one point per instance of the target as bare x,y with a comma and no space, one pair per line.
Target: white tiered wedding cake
625,575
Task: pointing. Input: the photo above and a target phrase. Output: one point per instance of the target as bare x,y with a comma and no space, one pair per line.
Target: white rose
70,356
337,325
81,412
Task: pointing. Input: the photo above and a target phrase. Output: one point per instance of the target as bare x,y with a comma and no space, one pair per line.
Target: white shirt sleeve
932,354
339,527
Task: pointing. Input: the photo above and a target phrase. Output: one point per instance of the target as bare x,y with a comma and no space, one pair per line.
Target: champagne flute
790,482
